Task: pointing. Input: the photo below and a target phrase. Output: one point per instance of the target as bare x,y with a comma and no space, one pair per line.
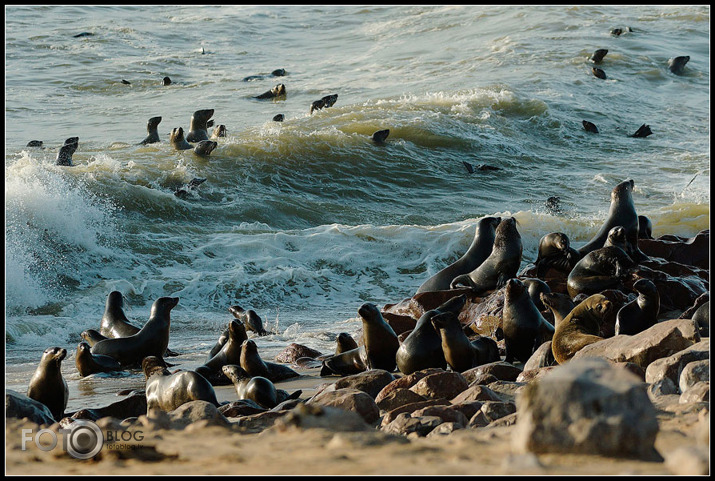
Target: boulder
308,416
693,373
476,392
349,399
405,382
398,397
697,393
542,357
194,411
19,406
410,408
442,385
406,424
502,370
694,251
673,365
370,382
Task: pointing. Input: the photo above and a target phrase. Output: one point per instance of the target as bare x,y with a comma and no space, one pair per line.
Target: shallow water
305,220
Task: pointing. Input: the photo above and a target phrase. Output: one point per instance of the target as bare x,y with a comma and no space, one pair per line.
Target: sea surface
305,220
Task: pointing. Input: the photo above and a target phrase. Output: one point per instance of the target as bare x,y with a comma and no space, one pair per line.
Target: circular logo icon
85,439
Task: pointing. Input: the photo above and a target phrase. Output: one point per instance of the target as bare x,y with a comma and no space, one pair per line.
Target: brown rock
693,251
306,416
294,352
697,393
468,408
484,317
494,410
542,357
483,379
349,399
256,423
502,370
476,393
531,374
242,407
633,368
693,373
445,429
398,397
410,408
405,382
672,366
445,413
443,385
370,382
194,411
399,323
405,424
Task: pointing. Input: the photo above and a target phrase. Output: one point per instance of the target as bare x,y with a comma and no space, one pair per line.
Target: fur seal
459,352
279,118
92,337
422,348
478,252
193,184
555,251
598,55
345,342
380,135
178,141
88,363
601,269
153,134
64,156
324,103
599,73
617,237
525,329
229,353
677,64
645,227
622,212
249,318
641,313
559,304
114,323
379,338
258,389
151,340
279,72
252,363
205,147
35,143
47,384
702,318
166,391
617,32
166,81
277,91
219,344
501,265
580,328
536,287
345,363
198,130
642,132
589,126
219,131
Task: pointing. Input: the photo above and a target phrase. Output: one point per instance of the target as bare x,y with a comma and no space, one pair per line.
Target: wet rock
19,406
399,323
444,385
294,352
370,382
307,416
674,292
349,399
398,397
502,370
673,365
484,315
699,392
542,357
693,373
586,406
405,424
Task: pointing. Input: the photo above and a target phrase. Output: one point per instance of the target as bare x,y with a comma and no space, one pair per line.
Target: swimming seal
622,212
597,72
641,313
559,304
88,363
422,348
598,55
166,81
258,389
198,130
114,323
219,131
277,91
252,363
478,252
379,339
642,132
580,328
589,126
229,353
151,340
64,156
47,384
617,32
677,64
249,318
602,269
459,352
555,251
324,103
525,329
153,134
35,143
205,147
166,391
193,184
501,265
178,141
645,227
279,118
380,135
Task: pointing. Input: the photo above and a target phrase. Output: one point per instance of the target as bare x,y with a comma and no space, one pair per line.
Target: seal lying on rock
601,269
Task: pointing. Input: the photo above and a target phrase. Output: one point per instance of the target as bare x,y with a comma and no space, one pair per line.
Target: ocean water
305,220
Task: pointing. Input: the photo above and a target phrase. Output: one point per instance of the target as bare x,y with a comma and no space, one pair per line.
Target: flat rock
398,397
309,416
370,382
194,411
476,392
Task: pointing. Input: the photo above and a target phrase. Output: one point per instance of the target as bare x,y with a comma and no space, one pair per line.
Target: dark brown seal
598,55
64,156
645,227
560,304
379,339
677,64
602,269
252,363
580,328
460,353
642,132
525,329
114,323
589,126
598,72
555,251
277,91
88,363
229,353
198,130
92,337
380,135
47,384
152,132
166,391
641,313
249,318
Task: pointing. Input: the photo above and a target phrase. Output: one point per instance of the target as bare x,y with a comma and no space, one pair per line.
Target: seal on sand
501,265
228,353
525,329
249,318
198,130
379,338
166,391
641,313
64,156
151,340
580,328
258,389
477,253
47,384
88,363
601,269
252,363
153,134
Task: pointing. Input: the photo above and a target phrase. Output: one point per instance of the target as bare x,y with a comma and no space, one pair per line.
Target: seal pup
622,212
599,73
379,339
641,313
114,323
249,318
47,384
193,184
580,328
525,329
229,353
88,363
598,55
589,126
380,136
501,265
178,141
345,342
153,134
555,251
559,304
345,363
642,132
422,348
151,340
602,269
258,389
252,363
279,118
645,227
477,253
460,353
166,391
677,64
205,147
64,156
277,91
617,237
198,130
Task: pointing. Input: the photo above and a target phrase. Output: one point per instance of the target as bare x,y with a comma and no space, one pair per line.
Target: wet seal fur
323,103
198,130
478,252
258,389
641,313
153,134
47,384
64,156
501,265
379,339
250,319
580,328
598,55
88,363
589,126
677,64
114,323
380,136
645,227
525,329
166,391
228,353
151,340
277,91
460,353
252,363
555,251
604,268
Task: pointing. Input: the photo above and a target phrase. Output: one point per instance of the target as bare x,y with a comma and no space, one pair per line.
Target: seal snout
367,311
